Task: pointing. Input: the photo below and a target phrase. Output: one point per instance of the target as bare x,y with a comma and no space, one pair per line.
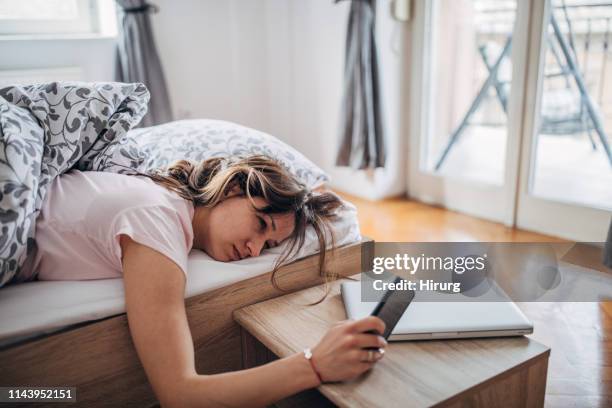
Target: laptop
448,316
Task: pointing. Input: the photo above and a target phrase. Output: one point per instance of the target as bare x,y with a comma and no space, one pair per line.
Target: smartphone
391,307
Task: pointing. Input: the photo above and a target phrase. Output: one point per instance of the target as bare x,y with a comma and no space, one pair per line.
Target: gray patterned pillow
158,146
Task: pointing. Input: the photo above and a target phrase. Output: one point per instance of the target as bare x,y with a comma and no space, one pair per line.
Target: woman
97,225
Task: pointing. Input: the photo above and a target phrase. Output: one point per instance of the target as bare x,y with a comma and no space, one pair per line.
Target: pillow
158,146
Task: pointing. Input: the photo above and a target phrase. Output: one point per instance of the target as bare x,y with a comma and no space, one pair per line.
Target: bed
61,304
76,333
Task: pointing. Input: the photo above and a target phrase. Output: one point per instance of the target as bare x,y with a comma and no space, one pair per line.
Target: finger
364,340
369,356
343,324
363,367
369,323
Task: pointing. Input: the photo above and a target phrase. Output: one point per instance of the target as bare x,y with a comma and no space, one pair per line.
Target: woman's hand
340,354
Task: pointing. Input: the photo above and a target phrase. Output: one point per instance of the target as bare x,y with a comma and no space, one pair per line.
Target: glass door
511,112
566,186
467,84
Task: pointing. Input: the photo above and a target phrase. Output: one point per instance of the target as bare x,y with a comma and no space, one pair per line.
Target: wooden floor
579,334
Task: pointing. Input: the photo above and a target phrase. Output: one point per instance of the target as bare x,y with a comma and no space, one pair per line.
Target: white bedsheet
34,308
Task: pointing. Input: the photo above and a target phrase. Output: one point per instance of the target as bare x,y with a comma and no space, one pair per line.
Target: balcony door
509,112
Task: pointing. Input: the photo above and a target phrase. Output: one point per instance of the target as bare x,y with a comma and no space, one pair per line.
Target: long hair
206,183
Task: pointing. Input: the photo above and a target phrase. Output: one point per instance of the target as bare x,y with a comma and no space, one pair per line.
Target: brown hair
206,183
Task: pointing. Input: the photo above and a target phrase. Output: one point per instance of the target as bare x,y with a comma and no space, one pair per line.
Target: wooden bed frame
98,358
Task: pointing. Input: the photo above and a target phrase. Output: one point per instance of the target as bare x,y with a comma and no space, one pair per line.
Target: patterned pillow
159,146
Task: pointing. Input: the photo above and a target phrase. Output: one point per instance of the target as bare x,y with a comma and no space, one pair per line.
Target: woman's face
233,229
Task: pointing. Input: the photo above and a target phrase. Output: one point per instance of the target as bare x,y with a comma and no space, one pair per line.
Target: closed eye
262,224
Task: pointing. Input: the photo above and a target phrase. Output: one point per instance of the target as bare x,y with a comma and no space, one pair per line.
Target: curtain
608,248
362,141
138,61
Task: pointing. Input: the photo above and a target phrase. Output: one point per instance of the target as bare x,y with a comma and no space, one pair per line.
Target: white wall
277,65
213,57
315,56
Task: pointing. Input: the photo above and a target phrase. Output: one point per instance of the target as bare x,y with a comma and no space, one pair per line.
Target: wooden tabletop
418,373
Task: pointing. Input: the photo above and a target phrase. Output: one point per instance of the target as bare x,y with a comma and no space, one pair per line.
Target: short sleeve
157,227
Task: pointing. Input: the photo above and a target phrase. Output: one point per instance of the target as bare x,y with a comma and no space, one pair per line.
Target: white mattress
35,308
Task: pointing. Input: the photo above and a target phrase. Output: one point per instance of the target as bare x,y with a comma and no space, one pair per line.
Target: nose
255,245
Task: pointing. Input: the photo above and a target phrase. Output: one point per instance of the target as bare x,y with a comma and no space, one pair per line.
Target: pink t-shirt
84,213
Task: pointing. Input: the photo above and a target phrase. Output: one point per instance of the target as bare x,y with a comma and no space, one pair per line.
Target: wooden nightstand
494,372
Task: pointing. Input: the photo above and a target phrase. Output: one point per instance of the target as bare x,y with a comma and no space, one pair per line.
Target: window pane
468,87
573,162
38,9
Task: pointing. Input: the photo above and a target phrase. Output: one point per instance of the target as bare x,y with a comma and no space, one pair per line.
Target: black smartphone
391,307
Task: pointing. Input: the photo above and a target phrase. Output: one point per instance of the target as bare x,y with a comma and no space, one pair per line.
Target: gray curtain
362,141
608,248
138,61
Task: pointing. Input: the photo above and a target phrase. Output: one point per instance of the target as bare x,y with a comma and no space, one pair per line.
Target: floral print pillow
159,146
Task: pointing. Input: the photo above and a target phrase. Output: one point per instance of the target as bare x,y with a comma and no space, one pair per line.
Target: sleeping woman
96,225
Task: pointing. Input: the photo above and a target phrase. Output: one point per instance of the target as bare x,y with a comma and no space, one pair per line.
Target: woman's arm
154,291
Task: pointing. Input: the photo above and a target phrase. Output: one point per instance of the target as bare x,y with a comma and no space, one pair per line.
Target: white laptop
446,318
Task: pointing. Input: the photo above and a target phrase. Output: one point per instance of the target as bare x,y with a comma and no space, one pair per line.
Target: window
62,17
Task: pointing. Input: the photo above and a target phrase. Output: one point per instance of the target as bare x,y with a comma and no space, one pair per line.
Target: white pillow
158,146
